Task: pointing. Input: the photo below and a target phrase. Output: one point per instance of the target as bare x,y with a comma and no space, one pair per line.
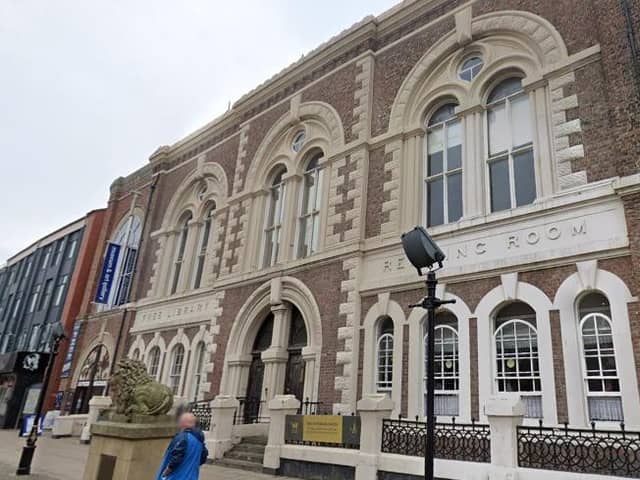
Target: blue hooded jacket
185,454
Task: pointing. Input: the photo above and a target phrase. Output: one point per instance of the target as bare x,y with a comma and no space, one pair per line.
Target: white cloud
89,89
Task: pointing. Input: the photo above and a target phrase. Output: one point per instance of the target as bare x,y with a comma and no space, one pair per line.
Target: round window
298,141
470,68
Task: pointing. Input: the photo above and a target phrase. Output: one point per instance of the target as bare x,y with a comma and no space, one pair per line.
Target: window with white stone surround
309,219
602,382
176,366
517,362
198,371
180,251
384,355
510,153
443,169
446,366
153,362
205,235
274,215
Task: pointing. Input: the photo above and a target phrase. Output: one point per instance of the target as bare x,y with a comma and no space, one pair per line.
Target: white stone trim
485,312
157,341
362,97
416,322
139,344
383,307
180,338
617,292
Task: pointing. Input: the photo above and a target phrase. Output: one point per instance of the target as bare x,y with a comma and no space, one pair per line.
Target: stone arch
513,290
180,338
325,131
590,278
540,44
201,336
210,174
139,344
156,341
272,296
416,354
384,307
105,339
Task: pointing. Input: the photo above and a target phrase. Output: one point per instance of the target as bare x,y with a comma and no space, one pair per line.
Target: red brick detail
473,355
375,193
558,366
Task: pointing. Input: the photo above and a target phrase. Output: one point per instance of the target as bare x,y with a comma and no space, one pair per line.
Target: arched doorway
92,379
254,394
294,379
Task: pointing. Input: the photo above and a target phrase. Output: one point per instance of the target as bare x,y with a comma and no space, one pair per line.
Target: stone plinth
128,451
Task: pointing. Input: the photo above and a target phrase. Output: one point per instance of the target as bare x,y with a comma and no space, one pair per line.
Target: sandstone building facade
265,252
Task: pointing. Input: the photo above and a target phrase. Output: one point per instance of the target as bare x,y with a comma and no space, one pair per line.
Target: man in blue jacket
185,453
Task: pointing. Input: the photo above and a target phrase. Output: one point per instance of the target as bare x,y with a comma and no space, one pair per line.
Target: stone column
236,375
275,357
279,407
505,414
220,437
373,408
309,356
97,405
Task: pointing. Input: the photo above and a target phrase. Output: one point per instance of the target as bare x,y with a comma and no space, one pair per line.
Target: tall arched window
510,146
384,355
175,374
602,383
274,219
443,170
153,362
182,243
136,354
446,366
309,220
516,354
128,237
204,243
199,370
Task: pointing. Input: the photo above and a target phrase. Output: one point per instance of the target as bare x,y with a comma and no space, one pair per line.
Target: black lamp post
423,252
24,467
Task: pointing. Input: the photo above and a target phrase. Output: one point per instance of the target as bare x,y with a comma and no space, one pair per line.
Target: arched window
516,354
510,146
182,243
446,366
153,362
309,220
274,219
175,374
443,171
128,237
204,243
384,355
136,354
602,383
199,370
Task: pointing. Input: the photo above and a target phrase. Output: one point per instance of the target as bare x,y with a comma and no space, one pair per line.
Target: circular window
470,68
298,141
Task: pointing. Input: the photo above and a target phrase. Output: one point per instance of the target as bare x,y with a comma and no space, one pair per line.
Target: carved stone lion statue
133,391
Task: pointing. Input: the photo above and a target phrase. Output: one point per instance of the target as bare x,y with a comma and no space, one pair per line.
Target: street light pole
423,253
430,303
24,467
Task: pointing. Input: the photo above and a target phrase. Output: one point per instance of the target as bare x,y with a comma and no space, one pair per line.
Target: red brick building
270,259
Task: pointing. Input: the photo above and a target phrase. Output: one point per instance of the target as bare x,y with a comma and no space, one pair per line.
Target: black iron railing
313,408
202,411
603,452
249,411
469,442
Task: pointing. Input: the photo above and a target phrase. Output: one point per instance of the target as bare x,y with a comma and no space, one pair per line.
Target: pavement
64,459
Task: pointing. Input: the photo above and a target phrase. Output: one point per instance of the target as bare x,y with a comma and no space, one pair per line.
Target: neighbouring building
39,287
266,245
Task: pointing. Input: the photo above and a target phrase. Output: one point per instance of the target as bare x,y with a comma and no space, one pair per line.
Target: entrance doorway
252,402
294,379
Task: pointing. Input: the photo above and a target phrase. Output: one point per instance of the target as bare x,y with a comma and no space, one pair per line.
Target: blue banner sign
68,360
108,272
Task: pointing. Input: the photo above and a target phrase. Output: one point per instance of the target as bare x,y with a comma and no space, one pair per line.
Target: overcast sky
89,89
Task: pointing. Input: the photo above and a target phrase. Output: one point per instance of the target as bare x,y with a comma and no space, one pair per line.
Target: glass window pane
435,144
435,199
499,177
525,178
521,121
454,196
498,129
505,88
454,145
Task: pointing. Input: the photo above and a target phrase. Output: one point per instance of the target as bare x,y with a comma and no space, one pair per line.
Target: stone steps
247,455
